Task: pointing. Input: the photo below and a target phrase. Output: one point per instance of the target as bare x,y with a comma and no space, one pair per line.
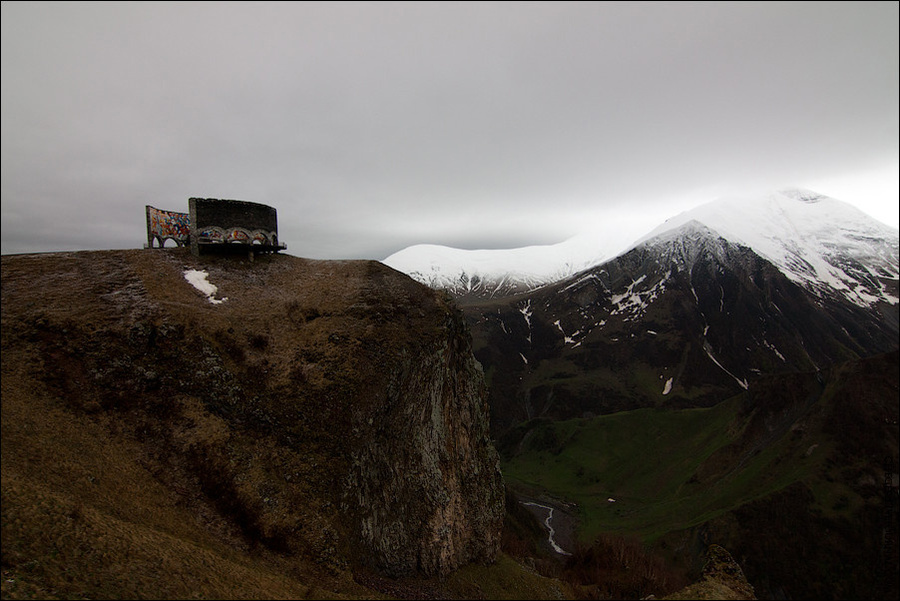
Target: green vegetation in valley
641,471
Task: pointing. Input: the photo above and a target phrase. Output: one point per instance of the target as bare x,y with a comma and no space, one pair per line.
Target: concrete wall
215,222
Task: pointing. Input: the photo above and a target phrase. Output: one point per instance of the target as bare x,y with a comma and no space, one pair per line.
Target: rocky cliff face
427,444
331,411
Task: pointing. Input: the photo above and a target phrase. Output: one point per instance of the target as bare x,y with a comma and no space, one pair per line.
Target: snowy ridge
502,271
822,244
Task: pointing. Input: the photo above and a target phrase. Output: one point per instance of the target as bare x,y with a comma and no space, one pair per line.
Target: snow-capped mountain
500,272
825,245
697,311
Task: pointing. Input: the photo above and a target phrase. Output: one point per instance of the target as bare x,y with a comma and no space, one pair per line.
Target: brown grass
617,567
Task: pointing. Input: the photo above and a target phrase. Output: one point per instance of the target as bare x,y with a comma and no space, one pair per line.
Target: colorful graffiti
238,235
168,225
215,235
211,234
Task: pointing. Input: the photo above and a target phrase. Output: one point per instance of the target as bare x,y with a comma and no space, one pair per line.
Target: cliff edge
329,412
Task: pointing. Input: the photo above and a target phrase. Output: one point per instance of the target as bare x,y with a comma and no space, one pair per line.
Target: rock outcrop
427,447
722,578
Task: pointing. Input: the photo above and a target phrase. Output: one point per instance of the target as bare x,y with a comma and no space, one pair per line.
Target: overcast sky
374,126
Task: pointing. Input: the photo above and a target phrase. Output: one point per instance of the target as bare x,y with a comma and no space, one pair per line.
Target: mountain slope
796,476
821,243
686,318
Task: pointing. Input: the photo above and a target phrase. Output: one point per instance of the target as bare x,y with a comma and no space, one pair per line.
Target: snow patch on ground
199,280
634,302
743,383
526,312
668,387
566,338
772,348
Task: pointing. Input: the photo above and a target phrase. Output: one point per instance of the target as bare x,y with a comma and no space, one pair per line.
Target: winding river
550,529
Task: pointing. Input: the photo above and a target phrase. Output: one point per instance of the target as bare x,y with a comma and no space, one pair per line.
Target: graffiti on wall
213,234
168,225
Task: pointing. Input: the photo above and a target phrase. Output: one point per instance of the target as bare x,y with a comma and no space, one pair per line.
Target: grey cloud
373,126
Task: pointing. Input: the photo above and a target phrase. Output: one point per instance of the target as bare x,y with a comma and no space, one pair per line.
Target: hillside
308,429
796,477
686,318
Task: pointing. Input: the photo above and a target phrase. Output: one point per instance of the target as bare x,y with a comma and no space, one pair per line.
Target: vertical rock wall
427,489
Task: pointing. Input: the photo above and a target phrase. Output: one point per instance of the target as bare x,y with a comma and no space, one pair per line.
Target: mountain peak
825,245
803,195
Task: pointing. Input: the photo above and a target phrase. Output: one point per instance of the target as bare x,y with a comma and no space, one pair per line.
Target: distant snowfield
534,266
199,280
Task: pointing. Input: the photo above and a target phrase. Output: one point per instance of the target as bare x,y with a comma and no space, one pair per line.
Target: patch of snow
668,387
526,312
633,301
198,279
743,383
772,348
568,339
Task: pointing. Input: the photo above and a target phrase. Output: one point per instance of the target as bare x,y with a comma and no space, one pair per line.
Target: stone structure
216,222
218,225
